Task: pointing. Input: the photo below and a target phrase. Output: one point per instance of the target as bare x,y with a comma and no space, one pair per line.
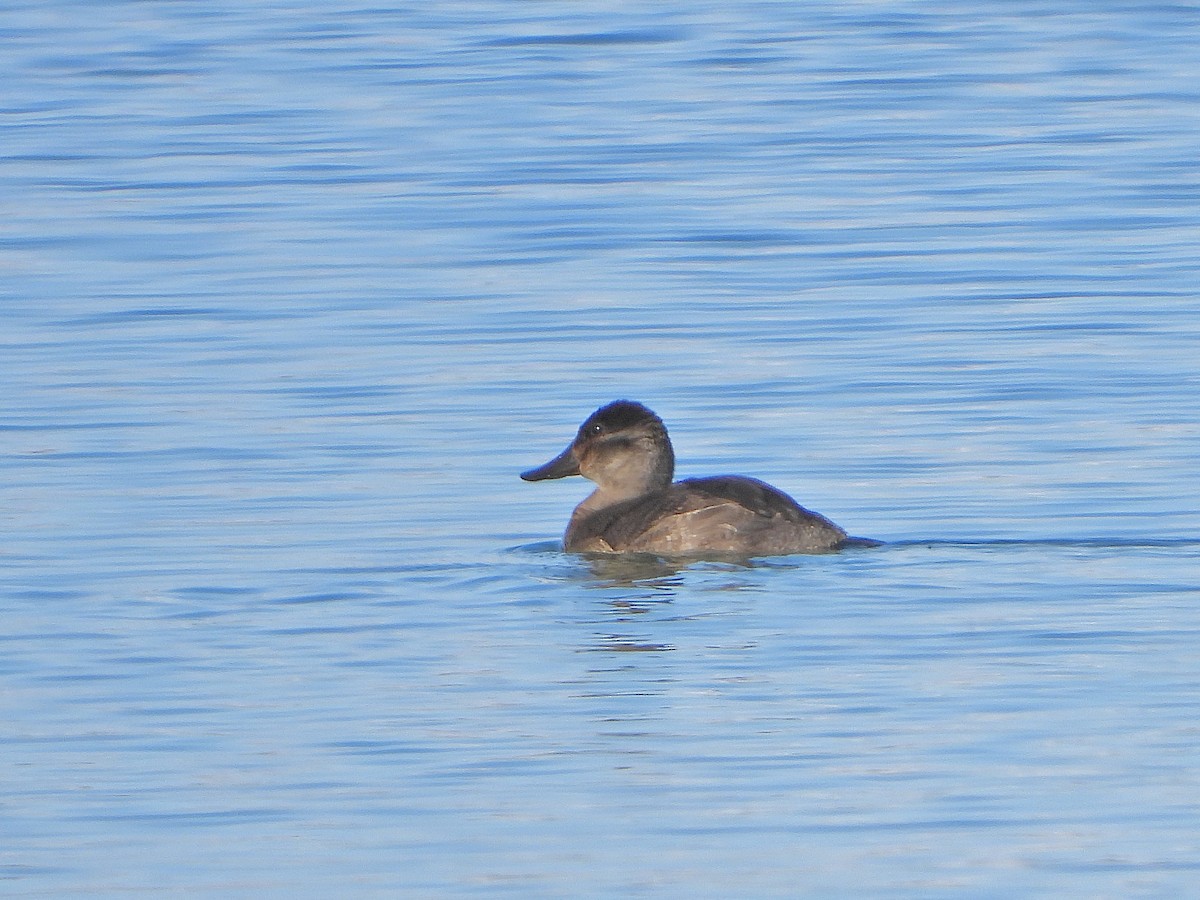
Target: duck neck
603,498
635,477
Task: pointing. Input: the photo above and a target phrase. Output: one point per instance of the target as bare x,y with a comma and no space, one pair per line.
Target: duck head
623,447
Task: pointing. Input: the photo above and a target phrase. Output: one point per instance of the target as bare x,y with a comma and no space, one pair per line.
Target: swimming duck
624,448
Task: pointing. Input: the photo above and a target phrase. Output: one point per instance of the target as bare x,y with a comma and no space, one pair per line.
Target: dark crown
619,415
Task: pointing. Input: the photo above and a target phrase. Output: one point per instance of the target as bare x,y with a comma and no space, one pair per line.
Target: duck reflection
635,569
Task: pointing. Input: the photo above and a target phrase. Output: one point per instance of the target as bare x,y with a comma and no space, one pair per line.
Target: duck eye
596,429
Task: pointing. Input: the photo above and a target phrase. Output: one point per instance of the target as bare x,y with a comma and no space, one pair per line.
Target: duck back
727,515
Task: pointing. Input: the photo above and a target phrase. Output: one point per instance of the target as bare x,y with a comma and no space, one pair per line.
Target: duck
637,507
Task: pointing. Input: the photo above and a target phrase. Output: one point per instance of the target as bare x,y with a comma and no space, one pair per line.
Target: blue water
291,293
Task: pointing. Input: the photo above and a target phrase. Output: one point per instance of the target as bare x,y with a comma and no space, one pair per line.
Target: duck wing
756,496
723,515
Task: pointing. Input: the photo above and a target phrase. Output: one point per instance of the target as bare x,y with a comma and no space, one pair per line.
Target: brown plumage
624,448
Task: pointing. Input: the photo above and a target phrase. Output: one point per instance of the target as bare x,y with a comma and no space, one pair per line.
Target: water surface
292,293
